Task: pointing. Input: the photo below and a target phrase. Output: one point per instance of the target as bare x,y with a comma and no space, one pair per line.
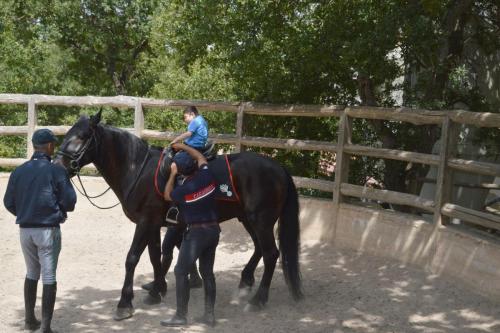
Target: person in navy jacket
195,198
40,194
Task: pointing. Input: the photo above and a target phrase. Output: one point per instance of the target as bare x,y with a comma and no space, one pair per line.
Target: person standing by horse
195,198
40,194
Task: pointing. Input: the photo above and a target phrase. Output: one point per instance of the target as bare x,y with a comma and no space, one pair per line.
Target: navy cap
43,136
185,163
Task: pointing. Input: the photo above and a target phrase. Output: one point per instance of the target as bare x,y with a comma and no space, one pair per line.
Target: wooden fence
446,163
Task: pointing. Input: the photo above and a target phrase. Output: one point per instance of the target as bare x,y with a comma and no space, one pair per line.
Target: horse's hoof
148,286
123,313
152,300
253,307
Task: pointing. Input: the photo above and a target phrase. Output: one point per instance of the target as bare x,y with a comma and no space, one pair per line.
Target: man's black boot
210,291
30,321
182,294
48,302
176,320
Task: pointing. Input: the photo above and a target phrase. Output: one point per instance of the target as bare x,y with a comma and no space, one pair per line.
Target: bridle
74,158
74,166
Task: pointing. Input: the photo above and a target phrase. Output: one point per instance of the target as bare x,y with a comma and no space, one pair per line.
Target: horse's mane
130,137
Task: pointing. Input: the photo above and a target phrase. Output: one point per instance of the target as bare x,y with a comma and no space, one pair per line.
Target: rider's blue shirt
39,193
196,197
199,129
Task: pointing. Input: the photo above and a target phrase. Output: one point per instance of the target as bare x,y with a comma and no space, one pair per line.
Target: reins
75,166
128,192
95,196
89,197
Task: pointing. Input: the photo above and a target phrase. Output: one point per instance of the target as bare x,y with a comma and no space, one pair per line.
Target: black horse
266,192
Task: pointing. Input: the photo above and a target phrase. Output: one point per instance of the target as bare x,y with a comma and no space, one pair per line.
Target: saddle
218,165
168,155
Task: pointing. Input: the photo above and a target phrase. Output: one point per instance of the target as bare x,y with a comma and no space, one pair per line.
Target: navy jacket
196,197
39,193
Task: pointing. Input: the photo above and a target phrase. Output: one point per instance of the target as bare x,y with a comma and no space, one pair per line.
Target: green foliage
303,52
102,42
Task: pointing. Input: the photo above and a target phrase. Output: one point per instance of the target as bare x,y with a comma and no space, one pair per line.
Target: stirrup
172,216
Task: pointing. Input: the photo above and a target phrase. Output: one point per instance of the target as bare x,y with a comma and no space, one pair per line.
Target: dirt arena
345,291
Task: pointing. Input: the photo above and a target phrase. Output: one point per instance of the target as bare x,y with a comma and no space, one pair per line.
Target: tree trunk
394,172
451,52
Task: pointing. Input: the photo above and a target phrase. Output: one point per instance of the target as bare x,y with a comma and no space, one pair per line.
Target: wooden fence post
444,179
138,119
239,127
32,120
341,165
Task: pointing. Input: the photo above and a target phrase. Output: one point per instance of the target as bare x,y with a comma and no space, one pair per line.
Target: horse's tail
289,235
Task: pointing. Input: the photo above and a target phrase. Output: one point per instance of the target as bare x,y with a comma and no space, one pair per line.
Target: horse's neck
118,160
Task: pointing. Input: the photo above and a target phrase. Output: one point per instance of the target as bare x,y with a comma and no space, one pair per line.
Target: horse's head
79,145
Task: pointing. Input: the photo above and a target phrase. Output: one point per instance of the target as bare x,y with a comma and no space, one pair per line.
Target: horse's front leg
159,285
125,309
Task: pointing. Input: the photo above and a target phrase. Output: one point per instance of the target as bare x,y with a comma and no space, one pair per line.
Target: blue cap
43,136
185,163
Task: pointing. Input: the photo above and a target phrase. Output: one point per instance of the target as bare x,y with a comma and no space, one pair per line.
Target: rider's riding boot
48,302
208,317
30,321
195,280
182,293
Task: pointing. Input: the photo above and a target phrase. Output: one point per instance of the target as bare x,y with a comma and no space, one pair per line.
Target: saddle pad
223,178
220,169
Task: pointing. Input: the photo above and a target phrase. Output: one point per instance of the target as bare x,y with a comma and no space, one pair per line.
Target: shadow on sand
344,292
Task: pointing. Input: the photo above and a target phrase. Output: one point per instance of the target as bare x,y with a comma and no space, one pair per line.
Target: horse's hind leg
125,309
159,284
247,275
270,254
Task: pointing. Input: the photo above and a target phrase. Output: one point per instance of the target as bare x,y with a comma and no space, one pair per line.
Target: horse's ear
95,119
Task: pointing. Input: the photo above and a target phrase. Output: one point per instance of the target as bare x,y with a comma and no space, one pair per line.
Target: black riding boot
182,294
48,302
30,321
210,291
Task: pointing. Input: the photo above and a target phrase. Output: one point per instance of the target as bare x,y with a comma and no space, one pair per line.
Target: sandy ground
345,291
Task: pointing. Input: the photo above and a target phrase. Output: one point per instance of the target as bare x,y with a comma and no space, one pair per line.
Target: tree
108,41
342,52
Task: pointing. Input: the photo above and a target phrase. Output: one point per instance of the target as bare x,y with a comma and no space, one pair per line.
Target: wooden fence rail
343,148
